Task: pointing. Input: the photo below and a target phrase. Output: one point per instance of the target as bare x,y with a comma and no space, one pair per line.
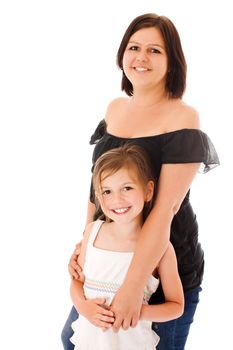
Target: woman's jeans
173,334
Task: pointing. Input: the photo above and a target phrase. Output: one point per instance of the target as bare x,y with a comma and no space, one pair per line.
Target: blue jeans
173,334
67,331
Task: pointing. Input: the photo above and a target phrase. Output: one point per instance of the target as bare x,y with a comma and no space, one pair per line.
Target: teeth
141,69
122,210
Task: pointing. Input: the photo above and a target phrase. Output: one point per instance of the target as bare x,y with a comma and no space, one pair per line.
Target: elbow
180,309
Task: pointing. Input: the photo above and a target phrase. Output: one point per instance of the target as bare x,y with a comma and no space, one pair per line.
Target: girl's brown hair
176,74
129,156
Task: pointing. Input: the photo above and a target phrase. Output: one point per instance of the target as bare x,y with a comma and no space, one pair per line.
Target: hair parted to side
177,68
128,156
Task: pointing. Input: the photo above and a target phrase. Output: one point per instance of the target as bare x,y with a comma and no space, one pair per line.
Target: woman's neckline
146,137
150,136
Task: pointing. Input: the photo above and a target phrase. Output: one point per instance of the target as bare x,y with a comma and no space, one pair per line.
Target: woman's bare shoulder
186,116
115,107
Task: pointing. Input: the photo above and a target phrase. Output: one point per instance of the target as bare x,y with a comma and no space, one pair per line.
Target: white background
57,75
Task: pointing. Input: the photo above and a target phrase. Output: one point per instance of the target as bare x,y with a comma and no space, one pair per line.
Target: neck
145,99
129,230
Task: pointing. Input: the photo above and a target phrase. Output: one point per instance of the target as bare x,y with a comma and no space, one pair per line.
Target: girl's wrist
80,306
79,302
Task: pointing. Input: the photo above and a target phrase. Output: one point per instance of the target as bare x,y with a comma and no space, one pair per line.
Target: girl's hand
75,270
97,313
126,307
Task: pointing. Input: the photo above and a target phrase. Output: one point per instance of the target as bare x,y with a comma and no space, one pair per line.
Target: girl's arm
172,289
174,183
90,212
92,309
73,266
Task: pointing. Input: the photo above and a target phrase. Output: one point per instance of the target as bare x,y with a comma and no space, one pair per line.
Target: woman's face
145,60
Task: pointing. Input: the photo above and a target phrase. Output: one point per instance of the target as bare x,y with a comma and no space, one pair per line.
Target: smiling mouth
120,211
141,69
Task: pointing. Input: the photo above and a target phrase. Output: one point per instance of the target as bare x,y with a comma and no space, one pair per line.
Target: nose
141,56
117,198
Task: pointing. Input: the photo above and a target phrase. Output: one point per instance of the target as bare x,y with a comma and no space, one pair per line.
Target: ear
149,190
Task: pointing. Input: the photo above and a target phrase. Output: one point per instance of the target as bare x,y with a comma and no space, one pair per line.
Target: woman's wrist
133,282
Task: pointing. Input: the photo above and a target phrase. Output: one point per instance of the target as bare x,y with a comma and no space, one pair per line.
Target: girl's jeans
173,334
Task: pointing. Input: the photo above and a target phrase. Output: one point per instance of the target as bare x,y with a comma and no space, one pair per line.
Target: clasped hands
124,311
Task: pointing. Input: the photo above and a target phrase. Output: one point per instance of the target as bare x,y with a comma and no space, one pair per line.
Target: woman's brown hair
176,74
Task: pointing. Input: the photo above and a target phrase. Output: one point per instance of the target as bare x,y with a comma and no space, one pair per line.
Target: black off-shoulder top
180,146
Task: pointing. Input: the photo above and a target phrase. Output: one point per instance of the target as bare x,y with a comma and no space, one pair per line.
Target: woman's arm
172,289
174,183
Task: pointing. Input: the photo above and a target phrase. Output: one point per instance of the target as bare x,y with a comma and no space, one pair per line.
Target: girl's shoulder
88,230
86,235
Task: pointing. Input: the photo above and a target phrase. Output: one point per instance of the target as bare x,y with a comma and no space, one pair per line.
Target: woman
155,117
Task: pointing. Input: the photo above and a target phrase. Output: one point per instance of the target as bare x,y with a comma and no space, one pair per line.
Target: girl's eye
127,188
106,192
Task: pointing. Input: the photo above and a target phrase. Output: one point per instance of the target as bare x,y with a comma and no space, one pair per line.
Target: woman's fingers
126,307
73,267
78,248
118,322
134,322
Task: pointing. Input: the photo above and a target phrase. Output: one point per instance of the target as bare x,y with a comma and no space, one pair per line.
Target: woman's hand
126,306
75,270
96,312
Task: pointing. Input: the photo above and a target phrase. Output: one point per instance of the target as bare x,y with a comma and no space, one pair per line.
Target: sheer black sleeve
96,136
189,146
99,132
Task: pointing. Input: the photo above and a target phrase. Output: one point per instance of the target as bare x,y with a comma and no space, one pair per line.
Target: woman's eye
153,50
133,48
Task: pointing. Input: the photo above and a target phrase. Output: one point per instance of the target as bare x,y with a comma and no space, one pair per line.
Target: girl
124,188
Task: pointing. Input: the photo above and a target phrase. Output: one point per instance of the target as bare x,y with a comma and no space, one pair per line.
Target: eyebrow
124,184
150,44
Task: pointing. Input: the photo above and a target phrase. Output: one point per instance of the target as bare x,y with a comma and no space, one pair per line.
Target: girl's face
145,60
122,196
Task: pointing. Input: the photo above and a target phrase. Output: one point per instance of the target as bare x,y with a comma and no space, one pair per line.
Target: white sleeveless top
104,272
